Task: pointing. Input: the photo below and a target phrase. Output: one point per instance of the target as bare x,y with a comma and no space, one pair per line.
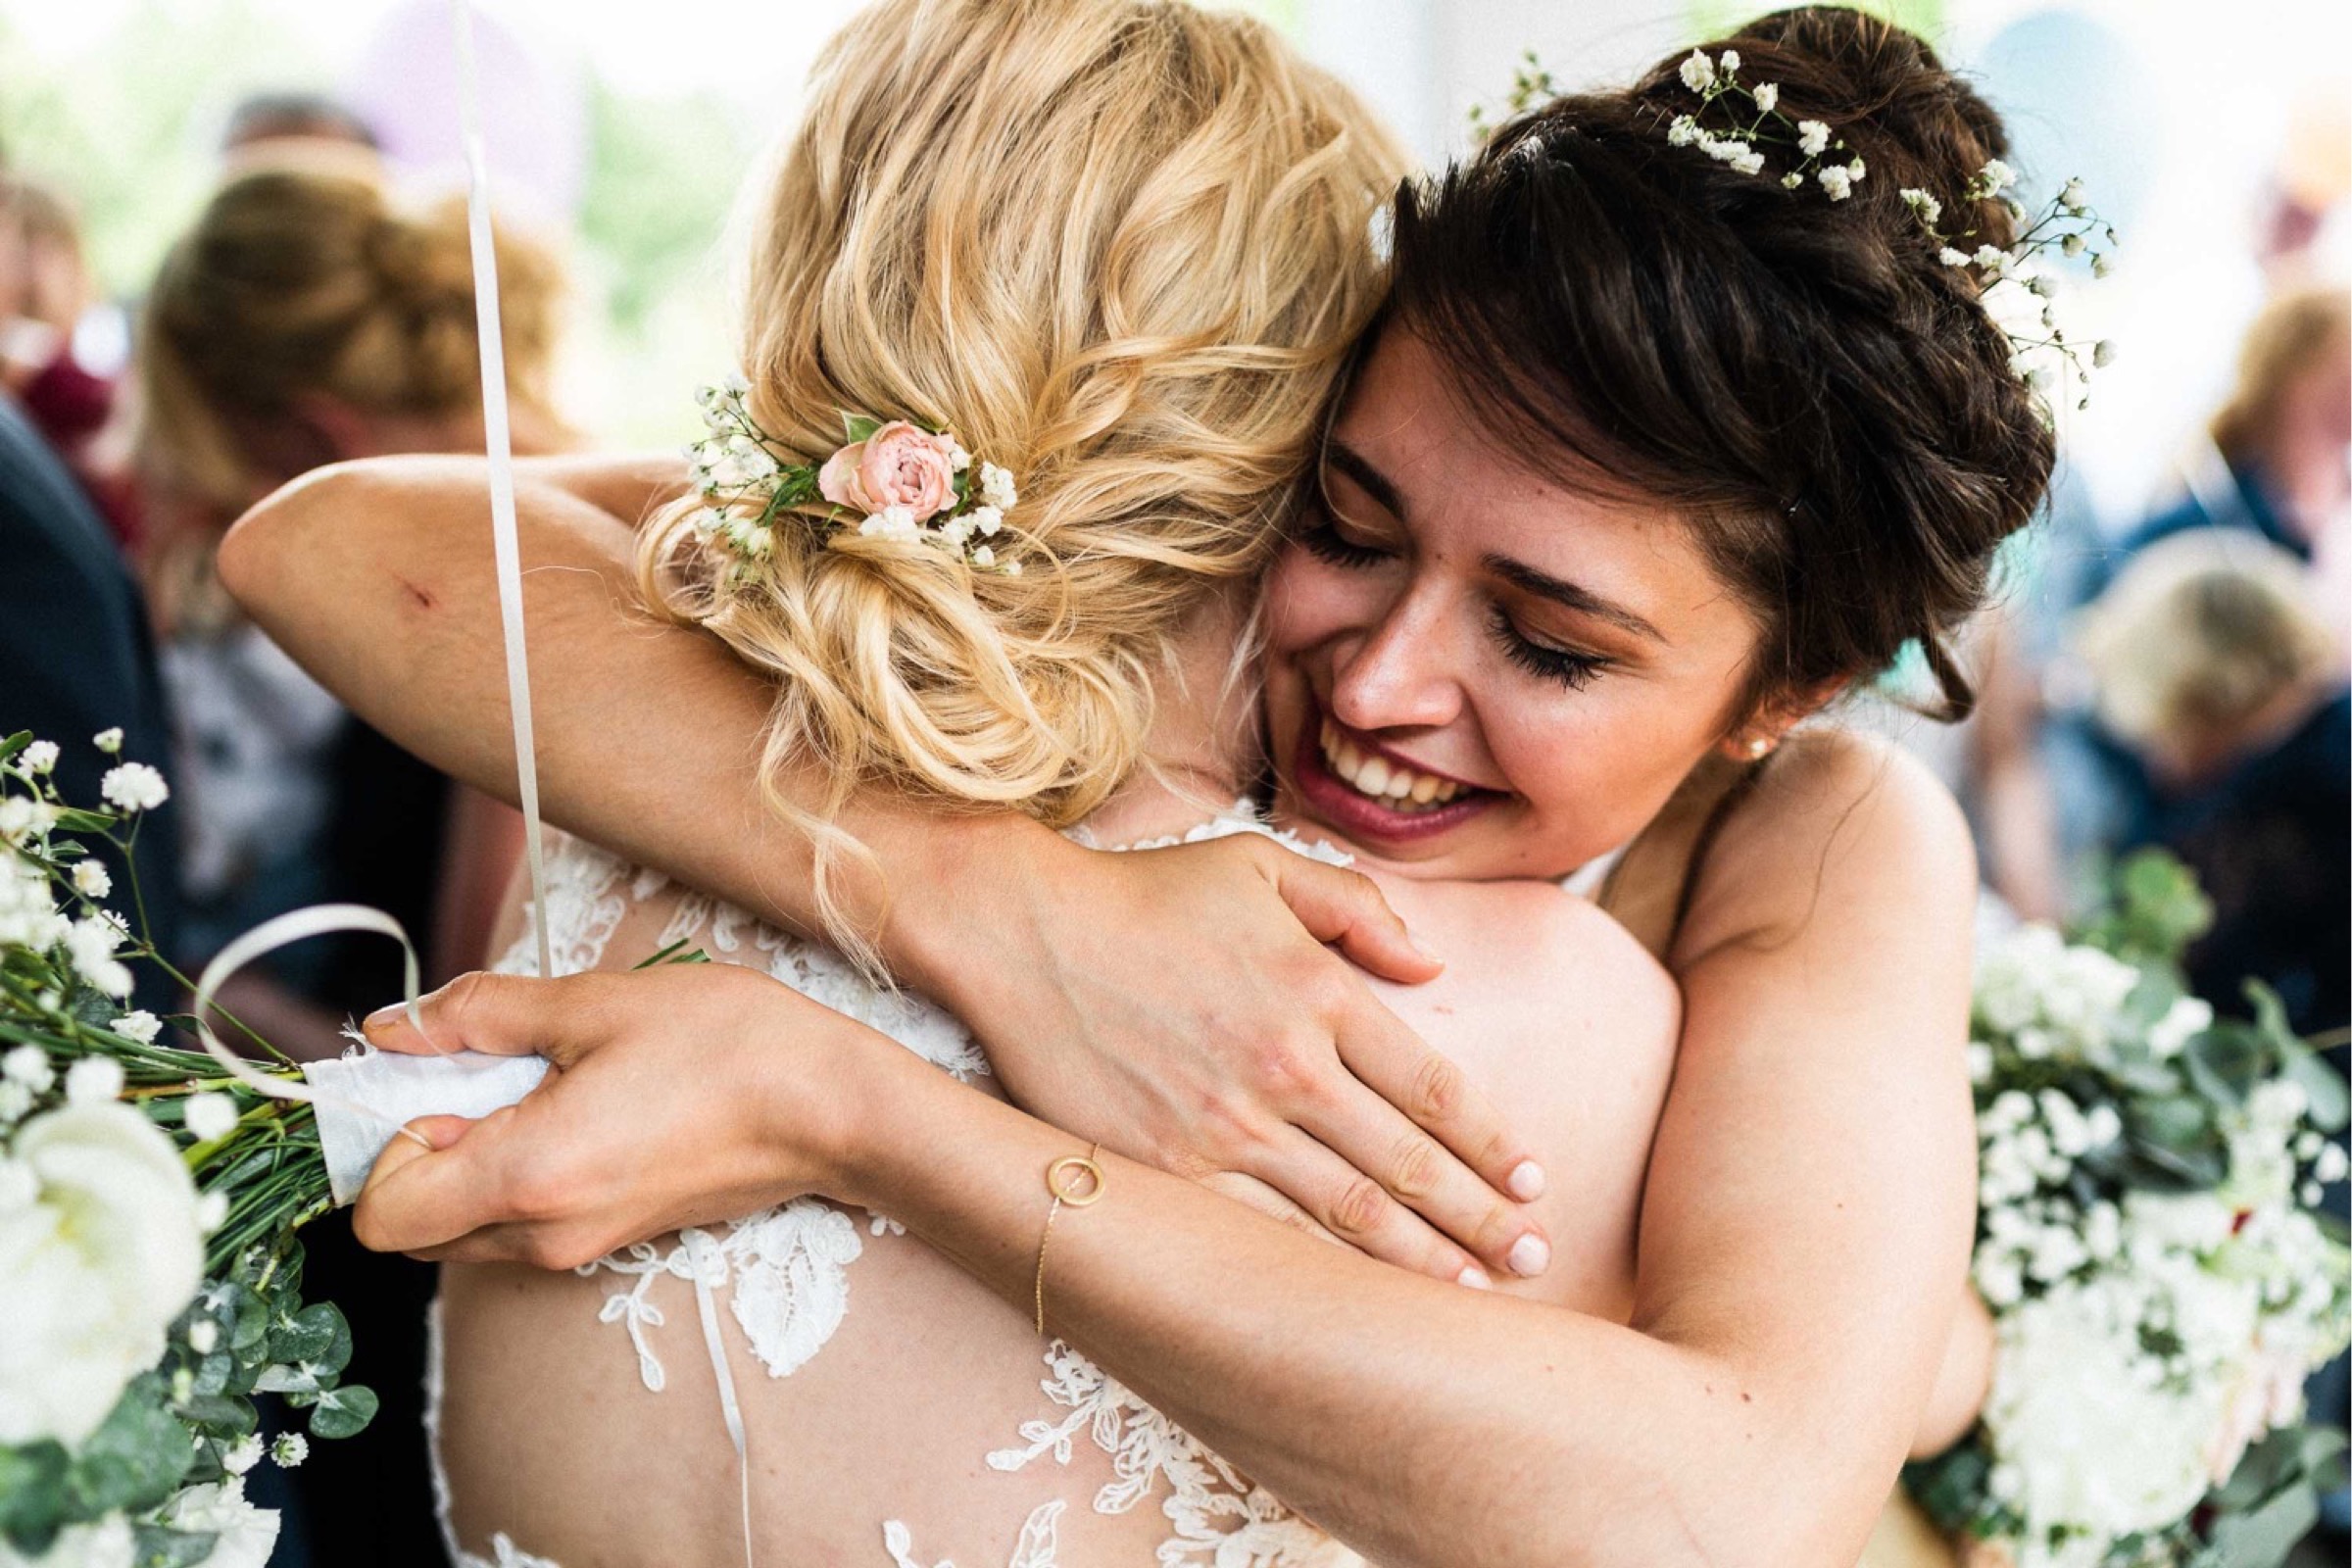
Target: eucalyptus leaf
155,1547
2322,1086
133,1460
858,426
2263,1537
307,1334
343,1412
32,1495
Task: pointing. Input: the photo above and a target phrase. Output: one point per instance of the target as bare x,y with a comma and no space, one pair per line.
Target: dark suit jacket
76,658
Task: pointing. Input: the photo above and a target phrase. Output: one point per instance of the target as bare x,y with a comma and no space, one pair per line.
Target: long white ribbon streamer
498,433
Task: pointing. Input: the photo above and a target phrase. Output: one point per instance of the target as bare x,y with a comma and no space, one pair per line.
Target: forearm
1425,1423
378,577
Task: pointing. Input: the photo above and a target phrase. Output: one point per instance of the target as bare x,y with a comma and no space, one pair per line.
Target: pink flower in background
901,465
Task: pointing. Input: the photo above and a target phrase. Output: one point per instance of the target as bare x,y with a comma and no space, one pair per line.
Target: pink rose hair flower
899,465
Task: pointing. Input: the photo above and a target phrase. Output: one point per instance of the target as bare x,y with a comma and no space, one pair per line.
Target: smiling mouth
1374,798
1383,779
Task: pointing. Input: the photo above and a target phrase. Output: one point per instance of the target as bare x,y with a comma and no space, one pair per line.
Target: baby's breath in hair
1749,120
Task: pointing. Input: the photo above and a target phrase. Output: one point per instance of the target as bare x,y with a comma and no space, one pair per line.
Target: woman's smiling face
1473,672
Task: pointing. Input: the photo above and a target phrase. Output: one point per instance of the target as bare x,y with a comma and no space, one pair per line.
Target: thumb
1345,908
497,1015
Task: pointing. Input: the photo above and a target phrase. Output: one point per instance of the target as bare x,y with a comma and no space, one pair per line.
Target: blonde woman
1557,638
309,314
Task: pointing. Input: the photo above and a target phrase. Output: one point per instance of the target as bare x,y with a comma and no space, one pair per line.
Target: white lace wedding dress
790,1276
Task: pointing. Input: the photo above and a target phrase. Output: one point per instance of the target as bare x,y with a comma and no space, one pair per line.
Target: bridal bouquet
2150,1243
150,1281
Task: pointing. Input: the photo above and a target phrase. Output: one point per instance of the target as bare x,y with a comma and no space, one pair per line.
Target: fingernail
381,1019
1526,1181
1474,1277
1422,949
1530,1255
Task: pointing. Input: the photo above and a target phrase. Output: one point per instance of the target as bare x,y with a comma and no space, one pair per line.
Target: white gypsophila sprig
1752,121
2015,280
1531,85
751,486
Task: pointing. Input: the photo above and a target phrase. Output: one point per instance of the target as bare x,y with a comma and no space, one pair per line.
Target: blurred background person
2215,670
293,114
307,317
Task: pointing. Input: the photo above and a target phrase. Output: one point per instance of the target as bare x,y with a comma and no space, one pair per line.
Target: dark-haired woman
1650,459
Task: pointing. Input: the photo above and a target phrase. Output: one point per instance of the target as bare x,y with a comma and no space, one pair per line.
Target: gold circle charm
1064,1176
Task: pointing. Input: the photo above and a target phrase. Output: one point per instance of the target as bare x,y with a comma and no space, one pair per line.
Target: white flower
986,521
2103,354
984,557
2100,266
28,1065
204,1335
90,943
19,1186
1924,204
2073,244
1856,169
1952,258
210,1115
134,787
109,741
90,879
1996,177
1731,62
16,1102
2074,198
705,523
93,1080
94,1272
243,1454
1768,97
1993,259
1682,132
23,820
996,487
245,1535
958,460
2332,1164
1699,72
1812,137
1837,181
143,1026
2097,1443
290,1449
1791,180
1749,162
39,756
212,1211
892,523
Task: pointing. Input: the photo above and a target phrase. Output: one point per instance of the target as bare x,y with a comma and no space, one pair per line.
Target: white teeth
1395,785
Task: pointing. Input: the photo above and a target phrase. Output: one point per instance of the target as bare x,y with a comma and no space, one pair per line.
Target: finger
417,1198
500,1016
1346,909
1358,1211
1426,1177
1430,1090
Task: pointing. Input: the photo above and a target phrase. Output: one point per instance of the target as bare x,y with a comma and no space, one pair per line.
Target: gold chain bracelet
1078,1180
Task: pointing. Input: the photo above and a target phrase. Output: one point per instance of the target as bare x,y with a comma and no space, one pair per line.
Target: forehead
1466,494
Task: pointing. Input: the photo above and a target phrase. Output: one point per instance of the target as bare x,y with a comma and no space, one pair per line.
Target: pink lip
1356,813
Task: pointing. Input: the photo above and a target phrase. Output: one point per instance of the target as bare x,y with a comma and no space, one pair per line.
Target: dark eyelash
1575,671
1323,540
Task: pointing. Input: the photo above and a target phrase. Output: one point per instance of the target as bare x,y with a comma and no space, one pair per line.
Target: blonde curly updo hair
1118,247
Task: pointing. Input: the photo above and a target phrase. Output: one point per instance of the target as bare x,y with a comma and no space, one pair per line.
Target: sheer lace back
787,1272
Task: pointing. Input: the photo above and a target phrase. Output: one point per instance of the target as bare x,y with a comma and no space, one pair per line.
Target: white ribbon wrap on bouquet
368,1096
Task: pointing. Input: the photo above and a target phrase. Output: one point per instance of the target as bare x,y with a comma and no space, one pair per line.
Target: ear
1764,729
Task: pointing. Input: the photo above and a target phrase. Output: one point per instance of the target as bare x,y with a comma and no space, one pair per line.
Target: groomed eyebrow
1339,455
1543,585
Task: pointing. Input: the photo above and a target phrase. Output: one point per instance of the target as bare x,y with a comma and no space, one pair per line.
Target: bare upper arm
1809,1207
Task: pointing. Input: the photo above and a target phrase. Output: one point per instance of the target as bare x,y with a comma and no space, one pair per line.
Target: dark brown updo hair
1825,401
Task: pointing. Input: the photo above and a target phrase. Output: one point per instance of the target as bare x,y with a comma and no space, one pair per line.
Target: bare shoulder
1842,829
1531,948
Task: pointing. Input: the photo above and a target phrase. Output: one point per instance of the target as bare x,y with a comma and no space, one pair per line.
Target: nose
1400,675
